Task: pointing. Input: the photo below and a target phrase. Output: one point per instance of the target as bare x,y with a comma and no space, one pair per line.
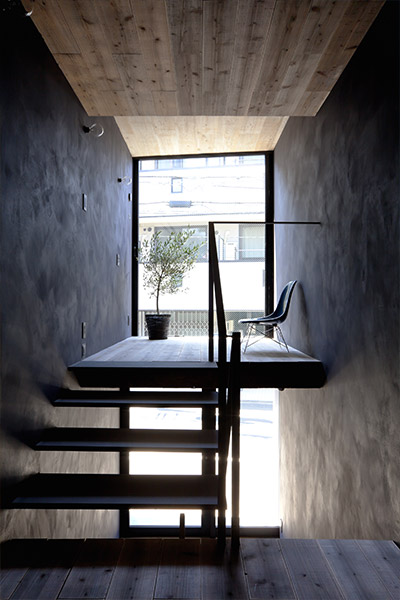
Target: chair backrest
282,308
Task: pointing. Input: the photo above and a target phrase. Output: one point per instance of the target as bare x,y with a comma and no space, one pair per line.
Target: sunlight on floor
259,502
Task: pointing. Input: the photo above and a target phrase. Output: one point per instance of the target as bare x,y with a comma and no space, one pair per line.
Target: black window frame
269,227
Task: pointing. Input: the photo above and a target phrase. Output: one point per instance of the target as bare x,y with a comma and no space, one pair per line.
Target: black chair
271,321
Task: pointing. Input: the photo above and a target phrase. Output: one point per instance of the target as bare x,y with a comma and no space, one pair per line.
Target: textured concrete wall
58,268
340,446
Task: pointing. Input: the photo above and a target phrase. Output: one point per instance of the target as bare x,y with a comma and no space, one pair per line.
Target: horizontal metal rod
268,222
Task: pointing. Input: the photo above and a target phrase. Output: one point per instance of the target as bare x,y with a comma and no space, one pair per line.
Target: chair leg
281,335
253,328
247,337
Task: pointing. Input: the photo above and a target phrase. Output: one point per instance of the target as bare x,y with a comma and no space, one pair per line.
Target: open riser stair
123,491
117,385
121,399
117,491
114,440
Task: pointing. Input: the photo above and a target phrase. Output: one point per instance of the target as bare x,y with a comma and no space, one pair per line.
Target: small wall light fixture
96,129
126,180
29,10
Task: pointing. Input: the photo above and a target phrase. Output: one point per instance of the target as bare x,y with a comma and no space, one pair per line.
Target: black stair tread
143,364
115,398
115,491
174,374
83,438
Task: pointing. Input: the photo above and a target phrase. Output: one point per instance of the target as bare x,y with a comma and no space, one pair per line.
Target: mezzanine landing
136,360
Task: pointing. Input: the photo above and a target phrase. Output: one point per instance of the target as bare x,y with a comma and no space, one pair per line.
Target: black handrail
229,425
234,412
224,420
215,287
229,408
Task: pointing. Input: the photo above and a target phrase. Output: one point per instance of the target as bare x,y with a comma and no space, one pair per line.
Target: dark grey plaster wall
58,267
340,446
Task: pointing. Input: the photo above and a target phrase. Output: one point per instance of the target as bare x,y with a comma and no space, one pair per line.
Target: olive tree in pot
165,262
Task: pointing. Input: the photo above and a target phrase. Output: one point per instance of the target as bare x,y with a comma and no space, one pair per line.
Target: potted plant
165,262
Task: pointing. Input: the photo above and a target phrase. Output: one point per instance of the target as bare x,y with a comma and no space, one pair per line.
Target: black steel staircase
123,491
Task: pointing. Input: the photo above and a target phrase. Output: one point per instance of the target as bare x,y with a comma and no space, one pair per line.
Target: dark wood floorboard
222,573
51,563
266,570
385,557
15,559
353,570
179,571
91,574
193,569
136,572
309,571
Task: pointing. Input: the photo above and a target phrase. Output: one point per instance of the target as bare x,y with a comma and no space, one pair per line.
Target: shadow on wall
58,266
303,310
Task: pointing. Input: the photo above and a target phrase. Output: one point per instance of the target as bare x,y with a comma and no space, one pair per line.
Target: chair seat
261,320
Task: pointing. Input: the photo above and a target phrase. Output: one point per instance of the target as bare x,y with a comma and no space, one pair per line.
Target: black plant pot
157,326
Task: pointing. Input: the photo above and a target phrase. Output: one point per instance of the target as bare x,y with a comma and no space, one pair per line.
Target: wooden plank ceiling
202,76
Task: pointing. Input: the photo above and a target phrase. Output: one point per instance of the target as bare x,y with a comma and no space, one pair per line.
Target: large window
181,193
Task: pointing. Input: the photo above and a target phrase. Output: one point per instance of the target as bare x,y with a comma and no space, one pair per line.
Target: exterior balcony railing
195,322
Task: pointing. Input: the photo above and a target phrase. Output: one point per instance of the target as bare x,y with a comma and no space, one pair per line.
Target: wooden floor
193,569
264,364
191,349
